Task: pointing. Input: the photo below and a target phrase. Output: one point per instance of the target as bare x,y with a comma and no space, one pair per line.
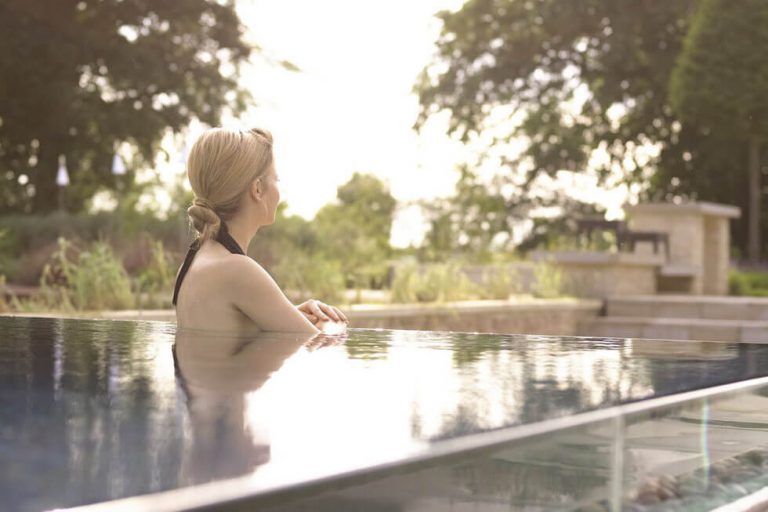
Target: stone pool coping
518,315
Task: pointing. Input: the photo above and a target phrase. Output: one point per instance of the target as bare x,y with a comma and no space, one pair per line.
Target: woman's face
271,193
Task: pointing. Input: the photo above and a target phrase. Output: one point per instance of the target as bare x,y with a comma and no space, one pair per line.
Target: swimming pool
95,411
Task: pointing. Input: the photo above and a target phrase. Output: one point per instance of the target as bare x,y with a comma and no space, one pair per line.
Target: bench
625,237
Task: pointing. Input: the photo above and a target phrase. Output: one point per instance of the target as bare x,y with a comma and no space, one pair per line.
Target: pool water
93,411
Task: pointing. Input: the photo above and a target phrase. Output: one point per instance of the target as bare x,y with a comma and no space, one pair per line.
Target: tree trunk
755,195
44,178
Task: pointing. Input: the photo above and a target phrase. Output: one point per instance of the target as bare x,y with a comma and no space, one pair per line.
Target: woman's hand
317,312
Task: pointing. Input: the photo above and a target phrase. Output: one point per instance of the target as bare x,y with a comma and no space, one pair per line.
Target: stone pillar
699,239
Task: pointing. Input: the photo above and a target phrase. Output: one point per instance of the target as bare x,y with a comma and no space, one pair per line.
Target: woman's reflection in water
218,375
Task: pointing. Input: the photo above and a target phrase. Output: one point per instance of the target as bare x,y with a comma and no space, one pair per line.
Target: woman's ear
256,189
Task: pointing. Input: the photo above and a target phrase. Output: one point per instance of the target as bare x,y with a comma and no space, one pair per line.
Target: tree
288,236
78,77
564,66
577,77
477,219
356,230
720,82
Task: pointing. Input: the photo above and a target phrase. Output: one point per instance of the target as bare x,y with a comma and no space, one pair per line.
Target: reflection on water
94,410
220,376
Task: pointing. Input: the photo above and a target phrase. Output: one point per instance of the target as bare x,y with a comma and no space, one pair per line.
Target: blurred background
424,148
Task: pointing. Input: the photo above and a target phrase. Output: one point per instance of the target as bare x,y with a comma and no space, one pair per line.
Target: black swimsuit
224,238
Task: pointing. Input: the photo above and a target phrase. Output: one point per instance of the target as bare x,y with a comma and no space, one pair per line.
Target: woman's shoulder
240,270
223,267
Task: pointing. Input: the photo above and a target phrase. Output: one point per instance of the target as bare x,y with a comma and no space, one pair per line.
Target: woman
232,174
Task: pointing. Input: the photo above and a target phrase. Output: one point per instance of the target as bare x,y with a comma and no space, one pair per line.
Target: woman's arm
257,295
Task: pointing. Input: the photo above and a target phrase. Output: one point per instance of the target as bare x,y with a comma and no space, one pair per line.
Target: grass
750,284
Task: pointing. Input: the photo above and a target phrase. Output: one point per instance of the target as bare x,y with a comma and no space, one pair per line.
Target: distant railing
626,239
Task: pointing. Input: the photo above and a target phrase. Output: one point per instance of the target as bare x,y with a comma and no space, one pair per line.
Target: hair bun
199,201
204,218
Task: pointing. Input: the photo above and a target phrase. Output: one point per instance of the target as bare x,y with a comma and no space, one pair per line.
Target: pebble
703,489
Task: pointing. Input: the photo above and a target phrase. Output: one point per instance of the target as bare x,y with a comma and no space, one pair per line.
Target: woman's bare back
223,291
205,298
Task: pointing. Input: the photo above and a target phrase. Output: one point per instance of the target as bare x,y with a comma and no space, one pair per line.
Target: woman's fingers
316,308
330,312
323,311
336,313
340,314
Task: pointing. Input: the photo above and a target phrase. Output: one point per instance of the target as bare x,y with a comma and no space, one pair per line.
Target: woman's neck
241,232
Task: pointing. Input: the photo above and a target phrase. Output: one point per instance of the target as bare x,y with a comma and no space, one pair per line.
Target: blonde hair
221,166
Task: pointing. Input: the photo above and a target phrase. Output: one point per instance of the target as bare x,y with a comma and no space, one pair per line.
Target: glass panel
700,455
558,471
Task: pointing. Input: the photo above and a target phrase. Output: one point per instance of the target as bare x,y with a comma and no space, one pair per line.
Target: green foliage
4,306
346,245
156,280
498,282
443,282
721,76
74,279
475,222
100,281
751,284
303,277
534,57
8,244
33,233
289,235
355,231
406,284
539,59
719,84
78,77
548,281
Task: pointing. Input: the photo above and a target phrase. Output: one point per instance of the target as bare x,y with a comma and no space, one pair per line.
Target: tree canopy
721,77
346,244
720,83
79,77
564,65
356,229
580,80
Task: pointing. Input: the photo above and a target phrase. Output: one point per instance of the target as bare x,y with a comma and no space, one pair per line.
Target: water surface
98,410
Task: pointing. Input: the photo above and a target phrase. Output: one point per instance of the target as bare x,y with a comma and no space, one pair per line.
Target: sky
351,108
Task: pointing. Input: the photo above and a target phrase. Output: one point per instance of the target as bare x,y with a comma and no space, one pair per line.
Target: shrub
304,277
155,281
405,284
441,282
753,284
548,281
75,279
31,239
498,282
8,252
4,306
100,281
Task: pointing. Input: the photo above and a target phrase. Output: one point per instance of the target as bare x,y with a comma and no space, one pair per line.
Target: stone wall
699,239
604,274
542,316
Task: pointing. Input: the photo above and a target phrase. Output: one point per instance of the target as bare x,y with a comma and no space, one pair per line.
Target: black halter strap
223,237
